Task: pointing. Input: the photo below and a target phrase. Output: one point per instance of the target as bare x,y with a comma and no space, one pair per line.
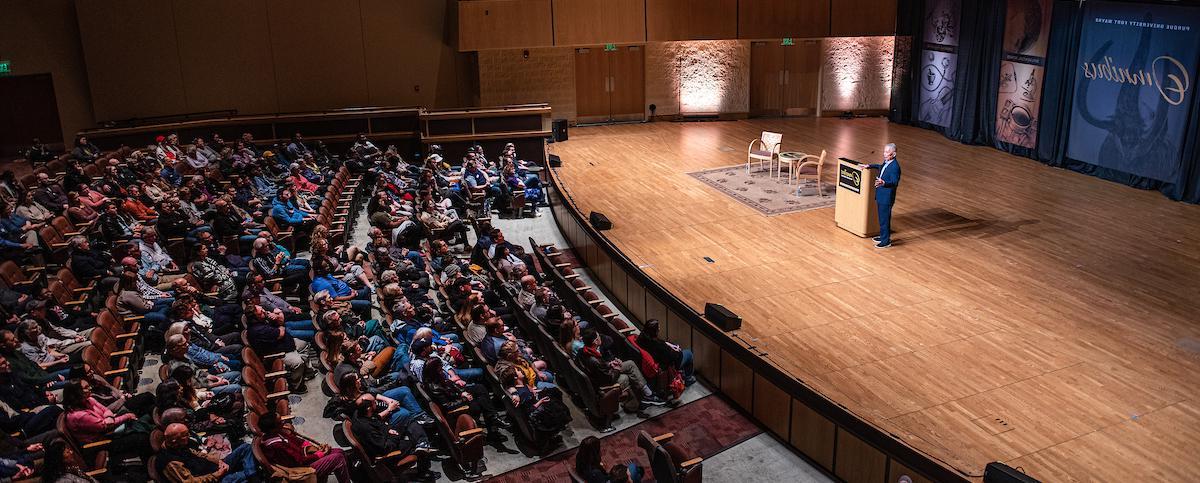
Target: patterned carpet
769,195
705,427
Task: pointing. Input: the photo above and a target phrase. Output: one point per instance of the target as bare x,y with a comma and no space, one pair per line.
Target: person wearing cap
167,148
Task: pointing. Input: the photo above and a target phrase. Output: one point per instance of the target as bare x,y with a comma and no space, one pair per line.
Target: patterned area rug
705,427
769,195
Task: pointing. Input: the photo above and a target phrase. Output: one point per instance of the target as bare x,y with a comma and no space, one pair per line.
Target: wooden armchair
764,149
816,166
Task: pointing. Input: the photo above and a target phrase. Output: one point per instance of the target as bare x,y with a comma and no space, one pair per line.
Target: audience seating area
220,278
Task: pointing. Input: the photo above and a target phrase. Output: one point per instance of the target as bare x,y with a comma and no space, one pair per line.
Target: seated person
512,358
34,413
282,446
451,395
325,280
178,462
380,439
89,421
664,353
267,335
26,370
212,371
606,372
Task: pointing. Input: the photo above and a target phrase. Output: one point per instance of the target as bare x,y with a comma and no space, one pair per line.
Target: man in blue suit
885,193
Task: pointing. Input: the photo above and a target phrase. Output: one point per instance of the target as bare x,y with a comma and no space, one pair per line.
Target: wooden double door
785,80
610,85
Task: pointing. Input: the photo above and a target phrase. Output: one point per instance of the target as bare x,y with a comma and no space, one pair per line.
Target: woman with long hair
63,465
89,421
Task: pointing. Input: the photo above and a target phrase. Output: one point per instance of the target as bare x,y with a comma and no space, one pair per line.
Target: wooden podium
854,209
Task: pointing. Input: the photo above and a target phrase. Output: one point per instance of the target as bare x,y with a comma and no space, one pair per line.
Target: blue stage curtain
977,81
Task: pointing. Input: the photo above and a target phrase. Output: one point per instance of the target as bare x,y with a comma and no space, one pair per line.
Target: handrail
842,416
347,113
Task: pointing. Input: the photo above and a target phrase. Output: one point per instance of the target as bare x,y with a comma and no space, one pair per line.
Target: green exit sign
610,47
5,67
788,41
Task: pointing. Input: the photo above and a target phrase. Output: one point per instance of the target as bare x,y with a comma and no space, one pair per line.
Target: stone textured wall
548,75
856,74
699,76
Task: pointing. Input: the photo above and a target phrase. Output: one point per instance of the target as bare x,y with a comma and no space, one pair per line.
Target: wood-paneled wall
691,19
149,58
862,18
591,22
771,19
503,24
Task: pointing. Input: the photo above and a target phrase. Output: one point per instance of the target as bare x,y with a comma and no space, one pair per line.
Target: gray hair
77,240
890,145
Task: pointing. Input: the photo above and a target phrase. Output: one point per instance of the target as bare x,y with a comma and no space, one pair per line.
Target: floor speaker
1001,473
599,221
722,317
555,161
560,130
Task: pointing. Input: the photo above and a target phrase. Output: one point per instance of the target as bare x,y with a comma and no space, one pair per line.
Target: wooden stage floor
1026,314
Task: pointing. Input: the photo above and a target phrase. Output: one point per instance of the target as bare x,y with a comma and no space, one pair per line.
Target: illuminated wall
708,76
856,74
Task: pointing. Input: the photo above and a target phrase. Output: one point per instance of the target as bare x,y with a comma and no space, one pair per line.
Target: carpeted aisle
705,427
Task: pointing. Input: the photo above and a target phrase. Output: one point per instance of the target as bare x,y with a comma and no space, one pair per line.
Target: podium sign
849,178
854,209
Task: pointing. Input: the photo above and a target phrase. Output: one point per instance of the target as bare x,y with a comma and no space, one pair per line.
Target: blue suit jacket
886,193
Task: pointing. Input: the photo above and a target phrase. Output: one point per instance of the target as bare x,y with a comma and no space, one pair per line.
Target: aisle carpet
769,195
706,427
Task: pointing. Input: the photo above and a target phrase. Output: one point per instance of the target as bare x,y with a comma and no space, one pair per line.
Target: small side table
790,158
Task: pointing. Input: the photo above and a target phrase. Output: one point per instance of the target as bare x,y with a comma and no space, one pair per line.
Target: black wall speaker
560,130
600,221
555,161
1001,473
718,314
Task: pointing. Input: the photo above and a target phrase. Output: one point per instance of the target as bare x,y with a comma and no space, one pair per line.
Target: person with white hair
886,184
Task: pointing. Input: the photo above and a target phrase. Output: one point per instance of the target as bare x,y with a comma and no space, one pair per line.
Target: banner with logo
1026,34
1135,81
939,61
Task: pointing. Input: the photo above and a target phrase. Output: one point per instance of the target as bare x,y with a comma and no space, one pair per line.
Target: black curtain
977,80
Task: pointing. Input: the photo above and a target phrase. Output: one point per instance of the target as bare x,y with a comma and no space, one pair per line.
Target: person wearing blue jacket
885,193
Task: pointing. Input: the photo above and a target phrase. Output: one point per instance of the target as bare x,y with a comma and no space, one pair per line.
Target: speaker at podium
854,209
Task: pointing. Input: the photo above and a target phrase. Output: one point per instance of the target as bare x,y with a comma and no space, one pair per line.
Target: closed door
628,83
785,79
766,79
610,85
801,78
591,85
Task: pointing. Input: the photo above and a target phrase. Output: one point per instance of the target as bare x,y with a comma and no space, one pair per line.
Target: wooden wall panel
857,461
772,19
655,310
897,469
707,357
691,19
772,407
678,331
617,287
813,435
635,300
737,381
225,52
860,18
132,58
591,22
503,24
319,59
399,73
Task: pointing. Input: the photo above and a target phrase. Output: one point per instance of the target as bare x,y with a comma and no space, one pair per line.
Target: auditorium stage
1026,314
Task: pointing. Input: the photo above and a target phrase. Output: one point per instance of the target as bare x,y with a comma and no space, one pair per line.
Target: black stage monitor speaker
560,130
1002,473
555,161
718,314
600,221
